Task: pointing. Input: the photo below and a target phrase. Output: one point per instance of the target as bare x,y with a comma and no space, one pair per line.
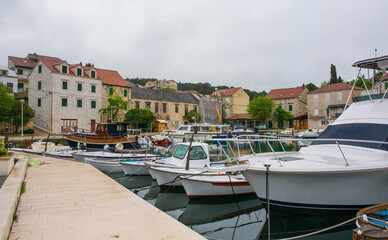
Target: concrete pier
70,200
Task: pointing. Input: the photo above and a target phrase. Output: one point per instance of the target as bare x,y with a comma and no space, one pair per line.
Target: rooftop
225,92
334,87
285,92
160,95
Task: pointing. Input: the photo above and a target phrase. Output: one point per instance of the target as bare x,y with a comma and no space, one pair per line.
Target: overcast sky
259,45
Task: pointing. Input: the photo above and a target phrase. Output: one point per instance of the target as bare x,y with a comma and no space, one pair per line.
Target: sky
253,44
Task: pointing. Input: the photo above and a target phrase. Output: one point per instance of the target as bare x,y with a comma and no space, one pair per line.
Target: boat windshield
183,128
181,151
357,131
171,151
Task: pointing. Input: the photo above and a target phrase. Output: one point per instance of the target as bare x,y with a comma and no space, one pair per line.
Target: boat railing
249,139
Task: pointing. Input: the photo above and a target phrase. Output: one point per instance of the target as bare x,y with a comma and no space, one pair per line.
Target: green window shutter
79,103
40,69
39,102
110,91
79,71
93,104
64,102
125,93
64,69
93,88
93,74
290,108
386,85
64,85
79,87
126,107
39,85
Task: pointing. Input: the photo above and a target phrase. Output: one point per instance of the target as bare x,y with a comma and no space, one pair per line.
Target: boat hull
135,168
128,143
165,177
346,190
200,187
105,166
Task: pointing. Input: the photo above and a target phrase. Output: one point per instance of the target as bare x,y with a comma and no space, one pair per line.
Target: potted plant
6,160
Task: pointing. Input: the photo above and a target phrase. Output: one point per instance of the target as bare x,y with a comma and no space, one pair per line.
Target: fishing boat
106,134
372,222
345,168
168,170
61,153
159,140
131,167
216,185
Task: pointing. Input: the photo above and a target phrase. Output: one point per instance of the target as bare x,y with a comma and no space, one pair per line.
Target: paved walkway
69,200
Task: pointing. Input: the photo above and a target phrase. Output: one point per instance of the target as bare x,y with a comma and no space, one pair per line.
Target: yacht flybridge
346,167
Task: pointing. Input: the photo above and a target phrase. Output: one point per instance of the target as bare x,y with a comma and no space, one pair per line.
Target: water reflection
240,217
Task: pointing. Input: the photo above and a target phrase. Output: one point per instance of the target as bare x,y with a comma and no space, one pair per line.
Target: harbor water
238,217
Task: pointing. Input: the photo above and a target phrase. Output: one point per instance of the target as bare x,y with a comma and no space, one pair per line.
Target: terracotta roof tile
334,87
225,92
285,93
111,77
23,62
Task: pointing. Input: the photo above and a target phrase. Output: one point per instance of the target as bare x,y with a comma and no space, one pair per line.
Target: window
93,88
177,108
126,106
280,106
79,103
4,72
315,98
290,107
20,87
93,104
137,104
79,87
110,91
39,102
64,84
195,108
125,93
148,106
328,112
79,71
316,112
93,74
20,71
10,85
64,69
39,85
64,102
164,107
156,107
386,85
197,153
40,69
324,122
186,109
181,151
327,97
339,96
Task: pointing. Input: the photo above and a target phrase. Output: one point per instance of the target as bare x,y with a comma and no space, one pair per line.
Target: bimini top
378,63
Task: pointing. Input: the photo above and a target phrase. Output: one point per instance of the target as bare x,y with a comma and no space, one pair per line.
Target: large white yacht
346,167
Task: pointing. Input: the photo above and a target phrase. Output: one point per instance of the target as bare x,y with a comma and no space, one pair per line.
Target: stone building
160,84
9,78
293,100
326,104
167,106
113,84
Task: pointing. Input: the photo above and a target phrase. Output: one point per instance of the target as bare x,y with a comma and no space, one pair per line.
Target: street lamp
22,115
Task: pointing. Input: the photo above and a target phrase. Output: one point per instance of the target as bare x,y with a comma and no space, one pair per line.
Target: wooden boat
372,222
106,134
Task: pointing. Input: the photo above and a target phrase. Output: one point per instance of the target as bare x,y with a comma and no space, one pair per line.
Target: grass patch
34,162
15,216
23,188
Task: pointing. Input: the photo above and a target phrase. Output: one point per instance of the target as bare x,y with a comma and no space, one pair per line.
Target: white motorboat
61,153
346,167
200,131
168,170
80,156
105,165
216,185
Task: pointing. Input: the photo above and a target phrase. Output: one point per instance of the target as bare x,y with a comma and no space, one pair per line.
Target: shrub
29,131
3,151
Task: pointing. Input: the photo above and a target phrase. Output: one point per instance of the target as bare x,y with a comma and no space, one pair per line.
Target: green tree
311,87
260,108
143,116
193,116
281,115
169,89
360,83
6,103
115,104
28,113
333,74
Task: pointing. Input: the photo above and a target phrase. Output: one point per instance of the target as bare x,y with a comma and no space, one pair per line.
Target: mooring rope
323,230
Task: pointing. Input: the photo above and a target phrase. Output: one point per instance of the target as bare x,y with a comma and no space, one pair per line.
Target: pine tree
333,74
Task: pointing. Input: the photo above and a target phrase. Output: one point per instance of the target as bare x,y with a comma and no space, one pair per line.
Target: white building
64,96
9,78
